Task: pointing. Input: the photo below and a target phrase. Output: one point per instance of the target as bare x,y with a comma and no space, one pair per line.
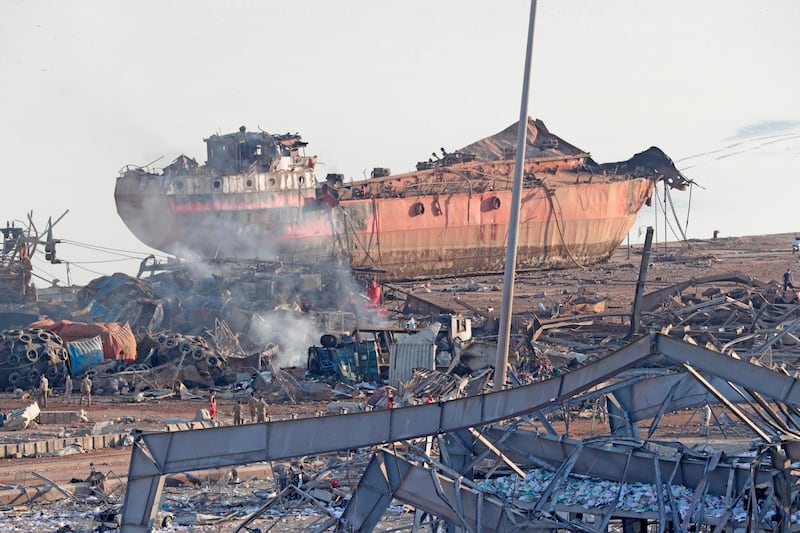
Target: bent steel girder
181,451
389,476
755,378
156,455
644,399
608,462
652,300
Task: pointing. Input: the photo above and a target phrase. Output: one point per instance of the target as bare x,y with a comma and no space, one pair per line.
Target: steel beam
756,378
389,476
168,453
183,451
645,399
143,492
608,463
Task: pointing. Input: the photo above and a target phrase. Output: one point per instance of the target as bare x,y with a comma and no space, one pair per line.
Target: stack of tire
26,354
192,350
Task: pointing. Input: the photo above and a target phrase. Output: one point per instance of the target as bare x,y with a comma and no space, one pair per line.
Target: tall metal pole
513,226
637,299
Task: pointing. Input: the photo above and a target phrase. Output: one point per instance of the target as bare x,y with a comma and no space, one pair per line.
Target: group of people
44,390
257,406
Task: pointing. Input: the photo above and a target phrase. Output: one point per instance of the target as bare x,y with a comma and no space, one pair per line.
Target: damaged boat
257,196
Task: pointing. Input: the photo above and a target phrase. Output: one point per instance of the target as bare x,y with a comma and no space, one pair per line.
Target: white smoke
292,331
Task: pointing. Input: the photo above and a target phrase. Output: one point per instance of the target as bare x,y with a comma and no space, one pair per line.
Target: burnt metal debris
723,347
583,439
615,475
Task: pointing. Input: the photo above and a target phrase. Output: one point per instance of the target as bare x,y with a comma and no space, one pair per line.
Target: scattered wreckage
721,348
626,474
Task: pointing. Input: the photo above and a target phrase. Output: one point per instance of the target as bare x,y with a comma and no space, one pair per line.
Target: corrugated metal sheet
84,354
405,357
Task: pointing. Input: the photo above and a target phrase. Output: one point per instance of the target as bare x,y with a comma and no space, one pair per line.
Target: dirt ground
149,416
762,257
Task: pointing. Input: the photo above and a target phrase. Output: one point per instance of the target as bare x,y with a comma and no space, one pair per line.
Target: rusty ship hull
450,217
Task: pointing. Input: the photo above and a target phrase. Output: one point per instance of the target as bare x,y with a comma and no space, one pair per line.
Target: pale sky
87,87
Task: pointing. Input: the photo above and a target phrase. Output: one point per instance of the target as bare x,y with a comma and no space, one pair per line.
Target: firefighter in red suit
374,293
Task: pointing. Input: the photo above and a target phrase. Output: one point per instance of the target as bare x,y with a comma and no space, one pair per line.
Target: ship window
272,181
217,184
249,183
179,185
300,179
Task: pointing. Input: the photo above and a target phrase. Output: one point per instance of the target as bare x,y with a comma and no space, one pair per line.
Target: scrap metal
156,455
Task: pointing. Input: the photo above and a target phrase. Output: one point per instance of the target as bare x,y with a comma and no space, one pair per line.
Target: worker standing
44,389
787,280
389,399
237,413
262,410
67,389
252,403
212,405
86,391
374,293
707,414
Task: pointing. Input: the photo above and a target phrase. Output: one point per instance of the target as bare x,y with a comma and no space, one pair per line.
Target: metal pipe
516,199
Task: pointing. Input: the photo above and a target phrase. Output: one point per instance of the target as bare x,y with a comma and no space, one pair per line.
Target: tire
167,521
495,203
328,341
33,376
53,373
417,209
32,355
13,360
14,378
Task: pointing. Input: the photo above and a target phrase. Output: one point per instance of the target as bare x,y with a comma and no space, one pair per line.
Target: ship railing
138,169
440,183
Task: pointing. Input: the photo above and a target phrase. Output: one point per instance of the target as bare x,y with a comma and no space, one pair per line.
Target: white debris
21,418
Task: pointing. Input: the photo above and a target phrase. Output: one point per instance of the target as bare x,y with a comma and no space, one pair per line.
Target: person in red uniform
374,293
389,399
212,405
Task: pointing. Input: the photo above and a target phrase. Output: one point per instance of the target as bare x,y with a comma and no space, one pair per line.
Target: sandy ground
148,416
763,257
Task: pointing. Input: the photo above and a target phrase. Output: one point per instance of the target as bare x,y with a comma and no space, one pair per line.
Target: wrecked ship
257,196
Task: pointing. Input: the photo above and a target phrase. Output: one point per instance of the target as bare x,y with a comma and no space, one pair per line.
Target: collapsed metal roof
644,380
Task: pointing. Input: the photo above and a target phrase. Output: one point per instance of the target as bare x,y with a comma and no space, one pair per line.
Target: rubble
727,421
21,418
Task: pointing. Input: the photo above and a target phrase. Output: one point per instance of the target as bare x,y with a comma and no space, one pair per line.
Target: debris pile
27,354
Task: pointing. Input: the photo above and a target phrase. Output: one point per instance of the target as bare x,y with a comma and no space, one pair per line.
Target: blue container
84,354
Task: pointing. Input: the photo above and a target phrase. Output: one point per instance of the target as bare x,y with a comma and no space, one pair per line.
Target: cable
87,269
137,255
105,261
675,214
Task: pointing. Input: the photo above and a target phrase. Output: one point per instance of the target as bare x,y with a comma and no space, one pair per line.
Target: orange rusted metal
450,217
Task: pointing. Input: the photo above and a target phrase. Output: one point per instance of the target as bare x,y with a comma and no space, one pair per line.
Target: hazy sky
88,87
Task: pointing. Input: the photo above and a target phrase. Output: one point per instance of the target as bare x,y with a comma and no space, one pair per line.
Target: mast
504,331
